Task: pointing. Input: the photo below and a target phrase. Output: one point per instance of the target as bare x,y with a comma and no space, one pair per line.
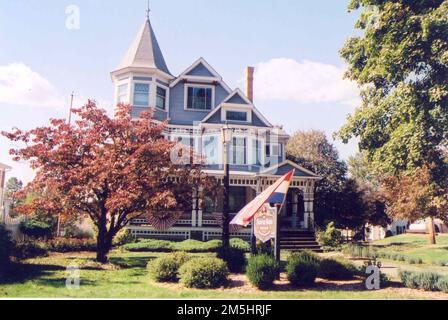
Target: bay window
141,94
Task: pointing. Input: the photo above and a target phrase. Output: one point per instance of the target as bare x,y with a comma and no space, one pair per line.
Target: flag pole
277,227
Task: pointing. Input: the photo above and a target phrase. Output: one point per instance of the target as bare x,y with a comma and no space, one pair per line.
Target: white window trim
247,150
192,85
262,150
133,91
120,83
218,154
167,97
247,112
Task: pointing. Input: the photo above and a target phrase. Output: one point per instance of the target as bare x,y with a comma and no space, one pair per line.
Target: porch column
295,201
308,199
199,209
194,209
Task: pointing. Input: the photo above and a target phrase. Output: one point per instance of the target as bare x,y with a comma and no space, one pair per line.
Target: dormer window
141,94
199,97
236,116
161,98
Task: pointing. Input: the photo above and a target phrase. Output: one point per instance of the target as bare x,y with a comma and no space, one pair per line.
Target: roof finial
148,10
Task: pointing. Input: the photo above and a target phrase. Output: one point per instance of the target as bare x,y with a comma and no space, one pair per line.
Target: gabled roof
145,51
215,76
238,93
288,165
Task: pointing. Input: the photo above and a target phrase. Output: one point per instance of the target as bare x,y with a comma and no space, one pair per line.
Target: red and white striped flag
275,194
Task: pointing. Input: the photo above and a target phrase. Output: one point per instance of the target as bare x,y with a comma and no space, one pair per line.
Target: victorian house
198,104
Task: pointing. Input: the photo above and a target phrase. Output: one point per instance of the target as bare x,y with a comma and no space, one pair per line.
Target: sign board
265,223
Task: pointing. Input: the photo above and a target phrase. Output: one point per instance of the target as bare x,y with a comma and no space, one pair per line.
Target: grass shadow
17,273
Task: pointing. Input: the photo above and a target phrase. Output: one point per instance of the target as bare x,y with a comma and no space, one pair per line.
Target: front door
292,215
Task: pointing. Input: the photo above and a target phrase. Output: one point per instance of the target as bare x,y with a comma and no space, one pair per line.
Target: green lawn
417,246
45,278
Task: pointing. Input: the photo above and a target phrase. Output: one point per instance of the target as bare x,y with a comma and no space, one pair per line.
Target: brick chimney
250,83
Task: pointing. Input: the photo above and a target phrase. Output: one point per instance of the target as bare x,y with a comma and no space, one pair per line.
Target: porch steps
299,240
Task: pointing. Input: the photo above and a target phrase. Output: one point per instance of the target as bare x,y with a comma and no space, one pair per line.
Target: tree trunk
103,244
432,231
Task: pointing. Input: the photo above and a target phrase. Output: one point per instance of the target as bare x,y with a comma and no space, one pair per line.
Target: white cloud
303,82
19,85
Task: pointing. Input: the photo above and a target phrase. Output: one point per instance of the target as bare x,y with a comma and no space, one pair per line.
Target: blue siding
178,115
256,121
236,98
158,114
143,78
200,70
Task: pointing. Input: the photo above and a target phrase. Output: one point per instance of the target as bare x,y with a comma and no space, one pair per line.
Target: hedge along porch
296,215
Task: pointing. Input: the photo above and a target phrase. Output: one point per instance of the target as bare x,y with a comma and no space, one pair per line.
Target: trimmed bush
420,280
234,257
197,246
63,245
302,269
442,284
35,229
333,269
356,250
154,245
166,268
6,246
240,244
123,237
29,250
204,273
331,239
150,245
261,271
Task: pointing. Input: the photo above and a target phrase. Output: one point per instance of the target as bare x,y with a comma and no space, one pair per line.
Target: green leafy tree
400,63
12,187
401,66
337,198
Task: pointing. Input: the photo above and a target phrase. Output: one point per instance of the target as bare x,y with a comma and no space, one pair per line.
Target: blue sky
293,44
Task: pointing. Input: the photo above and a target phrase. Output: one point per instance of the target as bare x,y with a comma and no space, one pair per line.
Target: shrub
411,260
262,270
35,229
123,237
166,268
204,273
389,234
265,248
331,239
29,250
356,250
420,280
333,269
63,245
302,269
234,257
240,244
6,246
428,281
442,284
197,246
150,245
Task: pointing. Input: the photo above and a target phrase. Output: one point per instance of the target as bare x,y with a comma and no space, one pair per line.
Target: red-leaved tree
112,169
